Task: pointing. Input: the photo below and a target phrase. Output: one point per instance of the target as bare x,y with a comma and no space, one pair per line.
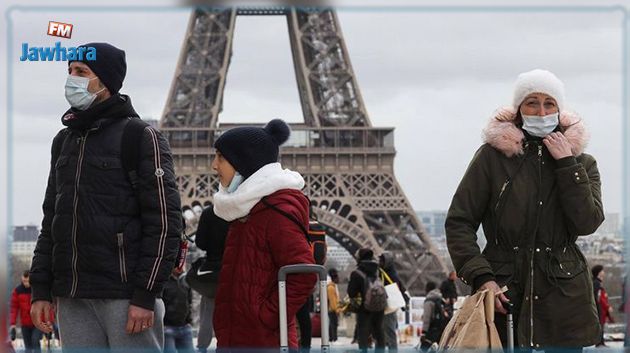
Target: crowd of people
108,271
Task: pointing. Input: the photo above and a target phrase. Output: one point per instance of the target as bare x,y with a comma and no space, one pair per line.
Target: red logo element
59,29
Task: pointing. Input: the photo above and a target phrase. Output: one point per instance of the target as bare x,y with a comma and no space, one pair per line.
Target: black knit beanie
250,148
110,65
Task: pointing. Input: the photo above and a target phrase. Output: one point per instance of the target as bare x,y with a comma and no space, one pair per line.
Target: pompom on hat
250,148
538,81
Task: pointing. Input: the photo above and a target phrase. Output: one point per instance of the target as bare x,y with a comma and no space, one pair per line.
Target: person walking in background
21,308
604,309
434,316
211,234
177,298
449,292
369,322
333,304
390,321
268,215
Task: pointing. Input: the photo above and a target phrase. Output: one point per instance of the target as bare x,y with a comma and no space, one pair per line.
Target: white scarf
267,180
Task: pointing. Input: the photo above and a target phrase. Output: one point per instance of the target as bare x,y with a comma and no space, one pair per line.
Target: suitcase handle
510,327
282,305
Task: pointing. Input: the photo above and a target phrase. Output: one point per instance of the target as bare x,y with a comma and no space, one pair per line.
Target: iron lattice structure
347,163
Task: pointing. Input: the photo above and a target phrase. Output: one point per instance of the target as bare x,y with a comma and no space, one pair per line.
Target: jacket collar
116,107
503,134
266,181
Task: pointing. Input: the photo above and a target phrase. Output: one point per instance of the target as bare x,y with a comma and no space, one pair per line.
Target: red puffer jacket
21,303
257,246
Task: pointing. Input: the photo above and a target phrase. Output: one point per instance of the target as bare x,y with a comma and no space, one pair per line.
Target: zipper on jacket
75,222
496,209
531,265
121,257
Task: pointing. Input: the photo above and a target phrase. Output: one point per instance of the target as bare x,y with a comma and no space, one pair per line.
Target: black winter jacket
100,238
211,233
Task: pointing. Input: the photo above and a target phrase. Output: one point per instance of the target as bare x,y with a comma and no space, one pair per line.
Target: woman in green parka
534,192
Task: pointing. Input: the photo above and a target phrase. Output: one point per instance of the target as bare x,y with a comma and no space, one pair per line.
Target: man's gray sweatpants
99,324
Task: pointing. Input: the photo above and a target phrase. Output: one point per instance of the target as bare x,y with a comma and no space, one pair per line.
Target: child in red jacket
261,239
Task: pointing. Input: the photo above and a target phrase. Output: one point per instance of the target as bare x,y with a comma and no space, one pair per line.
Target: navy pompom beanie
250,148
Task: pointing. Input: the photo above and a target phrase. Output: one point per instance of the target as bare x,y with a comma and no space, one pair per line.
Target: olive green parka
532,209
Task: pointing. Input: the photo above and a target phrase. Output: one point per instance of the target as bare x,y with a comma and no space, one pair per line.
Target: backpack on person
317,240
374,293
315,235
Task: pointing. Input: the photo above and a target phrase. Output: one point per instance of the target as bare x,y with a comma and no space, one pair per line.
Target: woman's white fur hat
538,81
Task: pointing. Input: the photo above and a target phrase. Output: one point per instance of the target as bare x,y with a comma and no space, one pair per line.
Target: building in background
24,240
338,257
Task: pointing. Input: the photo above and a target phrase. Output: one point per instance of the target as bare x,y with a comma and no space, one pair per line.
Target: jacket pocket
122,263
61,162
106,174
566,278
104,163
566,269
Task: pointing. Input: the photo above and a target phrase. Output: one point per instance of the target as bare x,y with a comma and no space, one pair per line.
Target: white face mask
540,126
77,93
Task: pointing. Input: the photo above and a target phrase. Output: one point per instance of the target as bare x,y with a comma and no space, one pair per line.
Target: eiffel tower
347,163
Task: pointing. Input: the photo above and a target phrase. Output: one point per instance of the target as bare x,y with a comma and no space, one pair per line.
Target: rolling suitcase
282,296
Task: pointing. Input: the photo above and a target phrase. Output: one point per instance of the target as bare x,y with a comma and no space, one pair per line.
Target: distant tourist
333,304
449,292
371,312
604,309
390,321
434,317
20,309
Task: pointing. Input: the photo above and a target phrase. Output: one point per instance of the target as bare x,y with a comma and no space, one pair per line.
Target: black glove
12,333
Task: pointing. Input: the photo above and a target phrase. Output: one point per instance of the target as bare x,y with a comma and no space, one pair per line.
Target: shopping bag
472,326
395,299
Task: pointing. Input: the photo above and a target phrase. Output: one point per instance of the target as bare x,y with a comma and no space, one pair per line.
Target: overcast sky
434,76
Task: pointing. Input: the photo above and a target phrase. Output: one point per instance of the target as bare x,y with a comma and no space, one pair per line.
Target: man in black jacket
106,245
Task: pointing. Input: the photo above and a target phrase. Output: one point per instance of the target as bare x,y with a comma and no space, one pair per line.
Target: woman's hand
499,297
558,145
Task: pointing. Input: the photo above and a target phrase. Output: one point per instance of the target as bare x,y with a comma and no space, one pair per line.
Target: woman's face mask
77,93
540,126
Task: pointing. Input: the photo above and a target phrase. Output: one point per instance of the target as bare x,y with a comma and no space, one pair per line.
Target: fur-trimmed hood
503,134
